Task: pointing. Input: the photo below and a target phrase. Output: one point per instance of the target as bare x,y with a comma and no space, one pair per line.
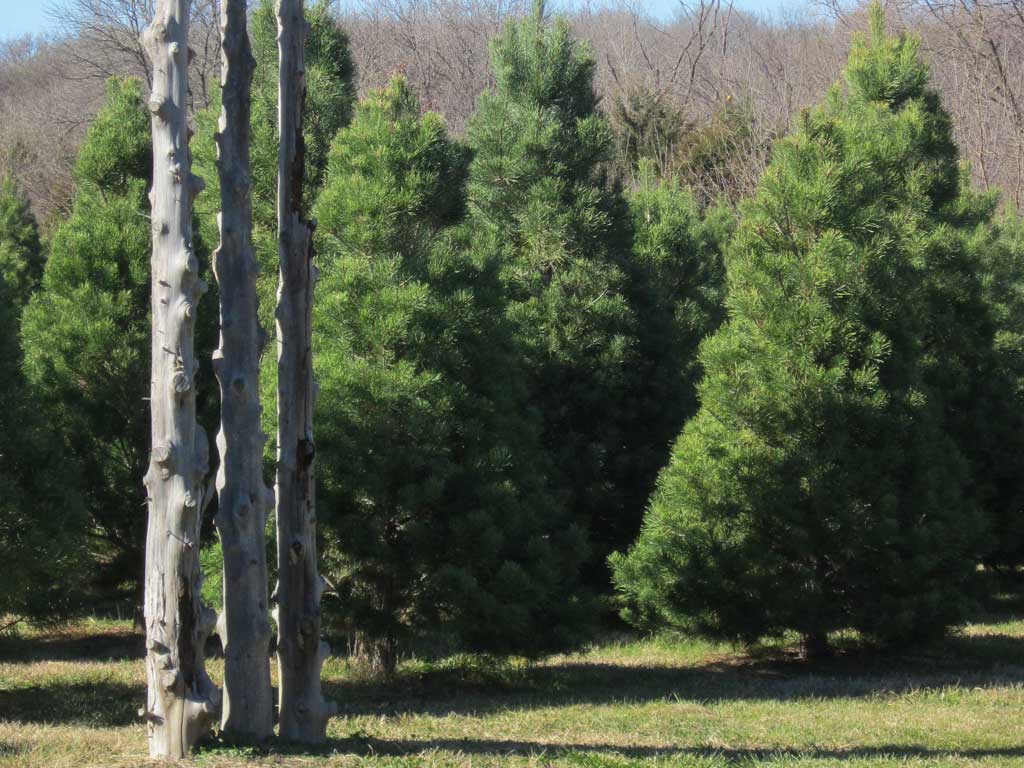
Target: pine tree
540,200
432,498
820,487
42,526
994,425
86,333
677,279
21,252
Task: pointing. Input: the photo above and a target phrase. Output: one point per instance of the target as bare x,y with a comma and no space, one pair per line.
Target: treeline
528,334
704,93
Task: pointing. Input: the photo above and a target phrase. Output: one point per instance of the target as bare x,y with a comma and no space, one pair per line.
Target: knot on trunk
159,106
163,457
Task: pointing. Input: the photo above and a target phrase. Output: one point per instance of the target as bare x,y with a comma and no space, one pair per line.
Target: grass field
70,699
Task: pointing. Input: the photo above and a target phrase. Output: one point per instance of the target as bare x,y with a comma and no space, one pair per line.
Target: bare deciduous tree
108,36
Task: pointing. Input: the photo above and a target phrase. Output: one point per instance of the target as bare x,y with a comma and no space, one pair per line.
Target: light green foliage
21,252
87,331
820,487
435,512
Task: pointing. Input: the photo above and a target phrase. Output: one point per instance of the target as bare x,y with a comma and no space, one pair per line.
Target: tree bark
245,499
303,711
182,703
379,654
815,646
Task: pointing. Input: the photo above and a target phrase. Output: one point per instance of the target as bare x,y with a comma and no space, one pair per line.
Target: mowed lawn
71,699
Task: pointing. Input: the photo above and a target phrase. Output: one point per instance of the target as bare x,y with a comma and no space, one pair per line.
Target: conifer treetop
884,67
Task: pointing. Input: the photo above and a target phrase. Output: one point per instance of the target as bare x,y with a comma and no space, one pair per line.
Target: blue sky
18,17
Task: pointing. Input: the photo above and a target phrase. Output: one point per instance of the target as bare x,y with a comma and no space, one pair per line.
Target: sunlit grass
69,698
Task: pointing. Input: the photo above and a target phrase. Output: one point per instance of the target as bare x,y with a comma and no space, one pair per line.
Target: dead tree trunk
182,702
303,712
245,499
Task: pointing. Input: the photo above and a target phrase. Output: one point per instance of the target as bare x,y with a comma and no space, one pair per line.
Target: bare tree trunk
300,652
182,702
245,499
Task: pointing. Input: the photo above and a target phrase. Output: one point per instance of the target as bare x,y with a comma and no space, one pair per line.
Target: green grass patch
69,698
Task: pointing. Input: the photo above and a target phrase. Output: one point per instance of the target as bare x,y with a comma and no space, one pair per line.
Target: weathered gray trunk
181,702
303,712
245,499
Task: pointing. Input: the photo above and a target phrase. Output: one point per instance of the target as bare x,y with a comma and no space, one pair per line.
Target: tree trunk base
816,647
379,655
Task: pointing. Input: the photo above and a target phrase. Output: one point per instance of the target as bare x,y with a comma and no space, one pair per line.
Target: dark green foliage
41,522
541,209
434,508
87,333
678,288
608,296
21,252
994,428
717,157
820,487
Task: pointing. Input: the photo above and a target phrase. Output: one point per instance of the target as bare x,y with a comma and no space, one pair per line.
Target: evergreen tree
41,521
820,487
21,252
87,332
540,200
994,427
677,278
608,295
432,500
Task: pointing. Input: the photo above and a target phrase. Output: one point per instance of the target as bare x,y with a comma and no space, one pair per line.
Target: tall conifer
820,485
433,500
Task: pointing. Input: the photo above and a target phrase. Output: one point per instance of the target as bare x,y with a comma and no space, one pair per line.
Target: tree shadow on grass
88,704
116,645
975,662
372,747
983,661
7,749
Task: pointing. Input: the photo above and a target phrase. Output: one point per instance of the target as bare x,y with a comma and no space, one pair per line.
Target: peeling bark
303,711
245,499
182,703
